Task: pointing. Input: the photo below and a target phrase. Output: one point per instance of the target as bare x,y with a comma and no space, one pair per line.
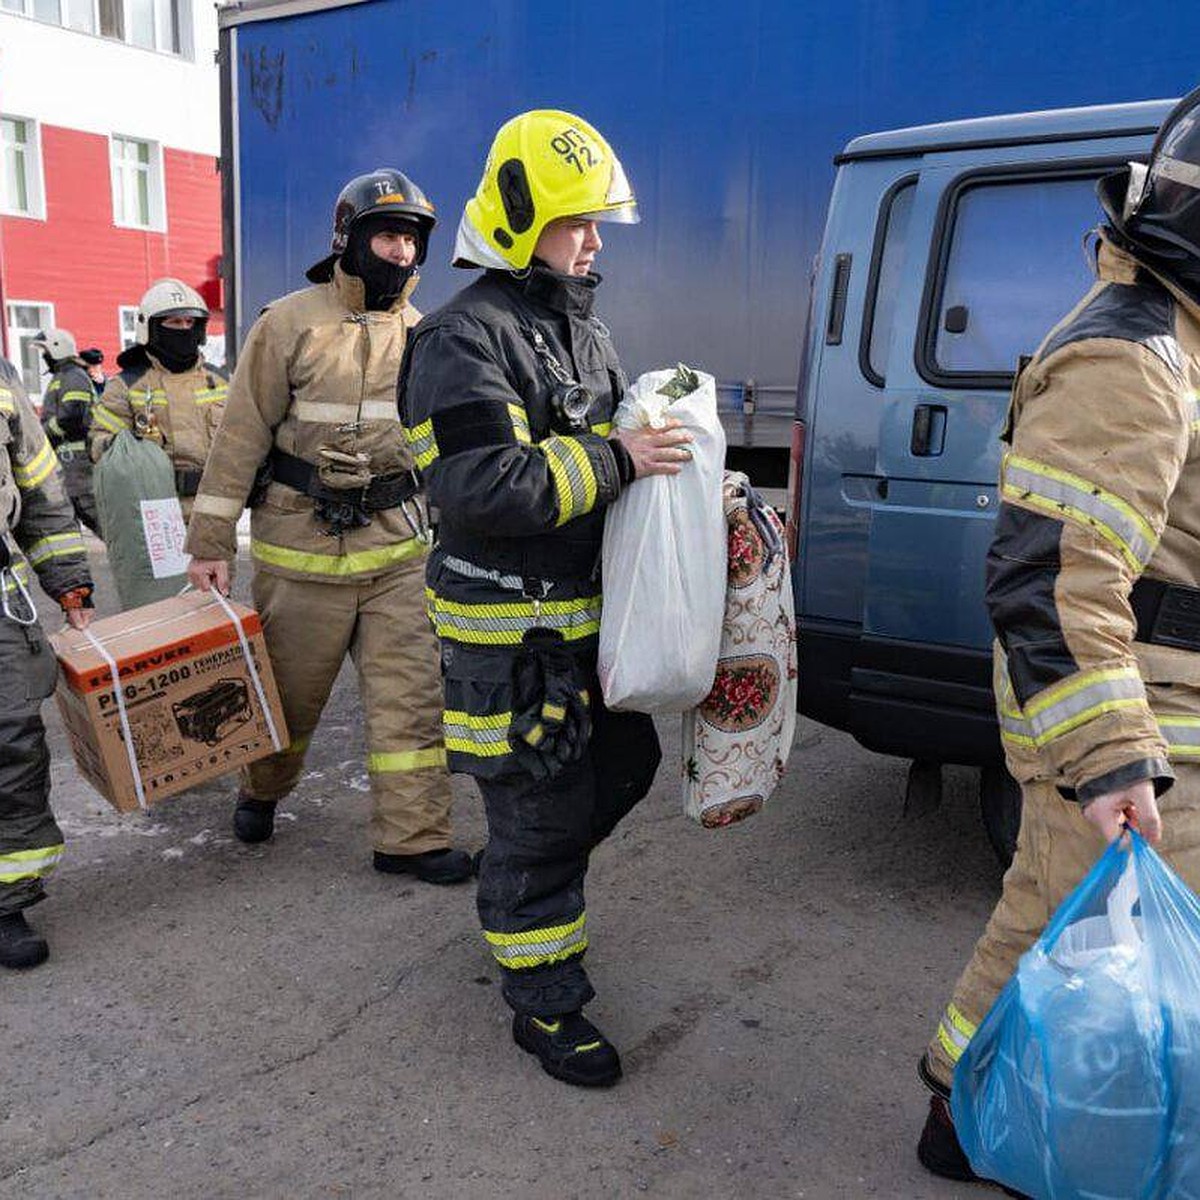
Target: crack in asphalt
158,1116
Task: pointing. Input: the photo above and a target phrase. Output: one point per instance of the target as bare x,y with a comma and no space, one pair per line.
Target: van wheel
1000,804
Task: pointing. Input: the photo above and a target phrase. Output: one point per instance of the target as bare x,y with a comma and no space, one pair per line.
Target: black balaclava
177,349
383,281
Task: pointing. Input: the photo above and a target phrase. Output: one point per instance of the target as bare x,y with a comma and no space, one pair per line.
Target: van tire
1000,806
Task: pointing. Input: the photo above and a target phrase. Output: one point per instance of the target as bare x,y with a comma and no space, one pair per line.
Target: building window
21,184
26,319
163,25
137,184
128,318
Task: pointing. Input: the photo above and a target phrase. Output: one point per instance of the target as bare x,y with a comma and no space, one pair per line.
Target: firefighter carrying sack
1084,1079
134,484
736,743
664,557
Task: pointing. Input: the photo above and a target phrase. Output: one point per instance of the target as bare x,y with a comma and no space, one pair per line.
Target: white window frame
17,334
34,177
126,337
183,33
156,184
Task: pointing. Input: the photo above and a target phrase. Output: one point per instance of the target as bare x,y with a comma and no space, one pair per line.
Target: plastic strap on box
98,645
258,687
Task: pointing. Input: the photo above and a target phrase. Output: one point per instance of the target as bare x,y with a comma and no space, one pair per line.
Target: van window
1014,267
886,265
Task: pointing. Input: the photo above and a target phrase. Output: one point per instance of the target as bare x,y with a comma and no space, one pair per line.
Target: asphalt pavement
219,1020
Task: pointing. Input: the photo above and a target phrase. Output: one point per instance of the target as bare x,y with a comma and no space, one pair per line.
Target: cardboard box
189,697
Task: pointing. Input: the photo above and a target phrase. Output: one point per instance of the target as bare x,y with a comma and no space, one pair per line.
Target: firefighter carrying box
197,698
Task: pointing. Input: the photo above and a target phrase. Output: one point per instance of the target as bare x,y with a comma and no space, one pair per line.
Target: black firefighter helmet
384,191
1157,207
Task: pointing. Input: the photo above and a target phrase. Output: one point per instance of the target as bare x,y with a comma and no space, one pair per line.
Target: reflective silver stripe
326,413
1063,494
459,626
520,423
1178,170
460,566
55,546
1066,706
217,506
556,947
1182,734
574,480
16,867
422,443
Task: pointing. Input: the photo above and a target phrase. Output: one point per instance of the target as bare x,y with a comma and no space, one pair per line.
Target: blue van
949,251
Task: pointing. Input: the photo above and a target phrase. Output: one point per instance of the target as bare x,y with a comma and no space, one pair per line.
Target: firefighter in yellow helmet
337,526
166,390
507,396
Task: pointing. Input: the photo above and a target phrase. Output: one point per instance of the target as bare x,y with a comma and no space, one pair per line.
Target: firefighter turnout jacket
520,497
67,406
304,387
1098,657
179,410
37,528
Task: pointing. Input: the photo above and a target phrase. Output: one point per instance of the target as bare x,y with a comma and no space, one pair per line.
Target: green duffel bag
134,485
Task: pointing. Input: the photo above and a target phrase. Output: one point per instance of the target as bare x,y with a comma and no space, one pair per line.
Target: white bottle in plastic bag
664,562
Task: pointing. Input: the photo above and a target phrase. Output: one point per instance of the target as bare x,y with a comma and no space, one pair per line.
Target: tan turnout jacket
1100,484
317,371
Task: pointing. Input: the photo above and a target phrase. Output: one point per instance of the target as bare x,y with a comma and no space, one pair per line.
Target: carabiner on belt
6,590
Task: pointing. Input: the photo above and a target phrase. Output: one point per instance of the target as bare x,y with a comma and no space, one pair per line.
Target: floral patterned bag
736,743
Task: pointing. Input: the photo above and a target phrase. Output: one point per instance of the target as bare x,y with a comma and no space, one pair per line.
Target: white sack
664,562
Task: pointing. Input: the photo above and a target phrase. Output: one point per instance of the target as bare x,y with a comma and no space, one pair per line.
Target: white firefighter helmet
57,343
167,298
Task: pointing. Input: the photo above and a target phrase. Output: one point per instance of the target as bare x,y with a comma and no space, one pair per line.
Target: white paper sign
162,524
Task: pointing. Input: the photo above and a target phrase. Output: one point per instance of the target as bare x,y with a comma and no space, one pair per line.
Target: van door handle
928,430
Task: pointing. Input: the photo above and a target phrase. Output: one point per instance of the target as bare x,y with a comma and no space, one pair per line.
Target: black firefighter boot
20,947
570,1048
434,866
253,820
941,1152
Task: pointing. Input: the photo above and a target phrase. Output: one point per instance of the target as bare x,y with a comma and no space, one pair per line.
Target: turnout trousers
540,834
1056,847
77,471
310,626
31,843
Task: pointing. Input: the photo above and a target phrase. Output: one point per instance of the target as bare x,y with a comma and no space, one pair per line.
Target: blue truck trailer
727,118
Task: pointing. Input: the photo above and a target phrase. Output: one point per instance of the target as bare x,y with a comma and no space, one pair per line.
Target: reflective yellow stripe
506,624
1194,413
603,429
422,443
107,419
534,947
38,469
1061,494
520,423
330,413
299,745
1181,733
29,864
86,397
55,546
144,397
337,565
1066,706
553,712
217,506
955,1032
7,405
574,479
406,760
481,735
210,395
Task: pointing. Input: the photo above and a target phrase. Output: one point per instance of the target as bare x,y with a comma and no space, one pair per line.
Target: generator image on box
206,716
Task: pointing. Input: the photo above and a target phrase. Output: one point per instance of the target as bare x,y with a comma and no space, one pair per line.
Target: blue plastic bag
1083,1082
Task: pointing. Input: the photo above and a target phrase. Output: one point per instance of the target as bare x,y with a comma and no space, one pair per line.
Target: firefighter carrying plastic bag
1083,1082
664,557
736,743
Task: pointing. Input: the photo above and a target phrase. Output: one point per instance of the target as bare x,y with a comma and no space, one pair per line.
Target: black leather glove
551,713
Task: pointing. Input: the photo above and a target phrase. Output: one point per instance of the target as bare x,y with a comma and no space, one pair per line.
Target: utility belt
342,508
1167,614
542,564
